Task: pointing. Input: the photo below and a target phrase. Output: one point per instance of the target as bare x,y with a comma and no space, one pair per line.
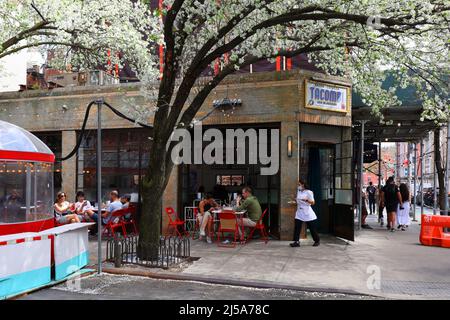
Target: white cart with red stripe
70,248
25,262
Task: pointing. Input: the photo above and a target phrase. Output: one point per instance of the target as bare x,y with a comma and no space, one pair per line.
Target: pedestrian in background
403,210
371,191
392,198
305,214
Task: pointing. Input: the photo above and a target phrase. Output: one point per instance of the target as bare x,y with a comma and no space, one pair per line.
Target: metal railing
189,219
171,251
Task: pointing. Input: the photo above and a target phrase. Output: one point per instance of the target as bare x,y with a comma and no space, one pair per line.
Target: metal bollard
117,253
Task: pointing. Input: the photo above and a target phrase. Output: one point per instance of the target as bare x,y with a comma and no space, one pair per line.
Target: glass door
343,213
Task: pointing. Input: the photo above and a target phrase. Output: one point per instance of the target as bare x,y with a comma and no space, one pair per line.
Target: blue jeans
95,218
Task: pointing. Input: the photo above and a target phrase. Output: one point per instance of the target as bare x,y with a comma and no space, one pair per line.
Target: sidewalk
406,269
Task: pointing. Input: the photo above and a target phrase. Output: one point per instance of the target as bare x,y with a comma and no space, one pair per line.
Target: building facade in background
314,142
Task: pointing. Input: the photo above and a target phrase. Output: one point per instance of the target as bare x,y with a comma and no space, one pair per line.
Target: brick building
315,142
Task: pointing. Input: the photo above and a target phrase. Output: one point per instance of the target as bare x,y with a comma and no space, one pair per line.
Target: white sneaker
202,233
226,241
208,239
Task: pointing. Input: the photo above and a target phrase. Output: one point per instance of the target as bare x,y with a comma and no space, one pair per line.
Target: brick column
68,170
289,178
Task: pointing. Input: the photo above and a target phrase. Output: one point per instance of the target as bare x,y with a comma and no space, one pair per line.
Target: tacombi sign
325,96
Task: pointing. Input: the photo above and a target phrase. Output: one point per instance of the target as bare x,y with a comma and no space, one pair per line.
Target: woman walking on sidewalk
403,209
392,198
305,214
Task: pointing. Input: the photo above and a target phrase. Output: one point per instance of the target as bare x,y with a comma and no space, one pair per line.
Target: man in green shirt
251,204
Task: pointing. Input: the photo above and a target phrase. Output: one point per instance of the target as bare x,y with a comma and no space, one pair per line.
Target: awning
405,127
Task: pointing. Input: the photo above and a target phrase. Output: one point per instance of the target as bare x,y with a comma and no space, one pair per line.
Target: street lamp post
421,177
361,164
447,171
99,103
415,180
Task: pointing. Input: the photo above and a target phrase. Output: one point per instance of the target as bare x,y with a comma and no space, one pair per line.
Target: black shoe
316,244
295,244
399,226
366,226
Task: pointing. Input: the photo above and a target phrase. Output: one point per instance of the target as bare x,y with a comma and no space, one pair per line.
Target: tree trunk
153,186
439,169
150,222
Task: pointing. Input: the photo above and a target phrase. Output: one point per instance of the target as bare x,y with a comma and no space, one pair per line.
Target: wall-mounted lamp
289,146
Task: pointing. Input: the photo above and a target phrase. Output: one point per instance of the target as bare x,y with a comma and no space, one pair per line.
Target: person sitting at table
83,207
11,207
204,214
106,212
251,205
114,205
63,214
125,200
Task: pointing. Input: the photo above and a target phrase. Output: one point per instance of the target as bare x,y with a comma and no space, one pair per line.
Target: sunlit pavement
122,287
379,263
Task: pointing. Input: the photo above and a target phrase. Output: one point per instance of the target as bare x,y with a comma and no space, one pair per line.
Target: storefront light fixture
226,102
289,146
226,105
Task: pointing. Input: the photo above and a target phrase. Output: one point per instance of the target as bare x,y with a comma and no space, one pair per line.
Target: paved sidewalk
406,269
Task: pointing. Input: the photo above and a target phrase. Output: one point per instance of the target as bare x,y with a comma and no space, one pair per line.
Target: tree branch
25,34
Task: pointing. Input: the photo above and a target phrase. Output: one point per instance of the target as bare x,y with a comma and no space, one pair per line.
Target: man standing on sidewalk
371,191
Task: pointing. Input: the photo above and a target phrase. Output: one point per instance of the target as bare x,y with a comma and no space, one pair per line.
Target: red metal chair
132,220
115,222
261,228
175,223
197,226
227,223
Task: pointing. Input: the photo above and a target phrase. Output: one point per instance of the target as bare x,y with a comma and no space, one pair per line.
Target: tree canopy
356,39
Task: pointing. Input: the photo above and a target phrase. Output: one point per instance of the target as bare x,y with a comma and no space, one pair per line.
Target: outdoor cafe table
239,218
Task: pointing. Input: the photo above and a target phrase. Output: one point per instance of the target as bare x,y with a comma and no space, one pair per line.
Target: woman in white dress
305,214
403,209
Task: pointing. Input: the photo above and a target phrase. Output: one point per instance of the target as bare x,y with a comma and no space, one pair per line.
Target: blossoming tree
358,39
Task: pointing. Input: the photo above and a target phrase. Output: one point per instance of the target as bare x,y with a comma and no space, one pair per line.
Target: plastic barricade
432,231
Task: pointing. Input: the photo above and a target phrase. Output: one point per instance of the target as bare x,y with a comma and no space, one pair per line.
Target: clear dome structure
26,181
15,138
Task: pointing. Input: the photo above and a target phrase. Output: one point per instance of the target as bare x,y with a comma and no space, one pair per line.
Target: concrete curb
231,282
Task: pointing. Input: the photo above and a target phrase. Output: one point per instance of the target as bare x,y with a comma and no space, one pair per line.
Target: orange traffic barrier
432,233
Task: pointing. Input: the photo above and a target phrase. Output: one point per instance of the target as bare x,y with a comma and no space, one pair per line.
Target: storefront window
125,157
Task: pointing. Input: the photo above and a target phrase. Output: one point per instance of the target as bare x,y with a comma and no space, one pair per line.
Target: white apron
304,210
